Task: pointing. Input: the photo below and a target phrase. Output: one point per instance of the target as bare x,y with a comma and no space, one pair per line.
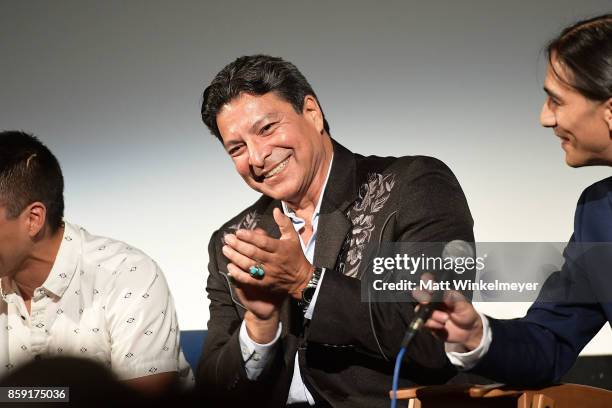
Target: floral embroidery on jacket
373,194
249,221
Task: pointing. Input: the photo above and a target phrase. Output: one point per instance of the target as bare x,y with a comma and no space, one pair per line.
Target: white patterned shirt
102,300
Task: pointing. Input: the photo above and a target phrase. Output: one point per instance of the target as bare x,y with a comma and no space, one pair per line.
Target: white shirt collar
66,261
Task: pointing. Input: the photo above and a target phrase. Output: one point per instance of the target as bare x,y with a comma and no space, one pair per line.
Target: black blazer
347,351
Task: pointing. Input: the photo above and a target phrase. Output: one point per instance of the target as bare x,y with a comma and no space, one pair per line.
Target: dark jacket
347,351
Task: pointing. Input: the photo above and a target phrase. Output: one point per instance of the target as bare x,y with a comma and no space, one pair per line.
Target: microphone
453,250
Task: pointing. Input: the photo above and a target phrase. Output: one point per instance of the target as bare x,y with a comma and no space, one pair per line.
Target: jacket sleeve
541,347
431,208
221,374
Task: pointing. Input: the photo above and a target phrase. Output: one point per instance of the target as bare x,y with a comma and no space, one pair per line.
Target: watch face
307,294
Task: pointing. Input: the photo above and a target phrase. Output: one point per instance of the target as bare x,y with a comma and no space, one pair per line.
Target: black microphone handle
425,310
422,313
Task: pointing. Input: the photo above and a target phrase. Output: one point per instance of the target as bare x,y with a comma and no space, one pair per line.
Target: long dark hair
586,49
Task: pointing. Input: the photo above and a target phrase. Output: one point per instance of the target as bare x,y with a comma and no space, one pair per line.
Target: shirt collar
66,261
291,214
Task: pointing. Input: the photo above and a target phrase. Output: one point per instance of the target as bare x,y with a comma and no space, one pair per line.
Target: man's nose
258,151
547,116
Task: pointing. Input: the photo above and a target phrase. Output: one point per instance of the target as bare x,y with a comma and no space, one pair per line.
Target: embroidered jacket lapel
340,193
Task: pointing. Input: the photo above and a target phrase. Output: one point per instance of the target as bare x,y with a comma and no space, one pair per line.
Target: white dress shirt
257,355
102,300
466,361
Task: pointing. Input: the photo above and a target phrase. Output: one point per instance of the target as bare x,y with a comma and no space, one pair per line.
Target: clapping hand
286,269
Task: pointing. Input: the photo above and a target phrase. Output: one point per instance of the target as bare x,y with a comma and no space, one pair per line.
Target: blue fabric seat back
191,343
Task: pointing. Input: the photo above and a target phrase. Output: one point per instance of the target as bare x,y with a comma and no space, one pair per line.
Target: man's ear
313,112
35,217
608,114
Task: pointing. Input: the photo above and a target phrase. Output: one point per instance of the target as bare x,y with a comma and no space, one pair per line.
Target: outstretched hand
458,321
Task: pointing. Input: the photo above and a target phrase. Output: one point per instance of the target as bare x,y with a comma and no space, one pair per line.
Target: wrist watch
310,289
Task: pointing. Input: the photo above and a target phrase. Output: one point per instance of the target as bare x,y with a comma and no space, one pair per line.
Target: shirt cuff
311,306
467,361
255,355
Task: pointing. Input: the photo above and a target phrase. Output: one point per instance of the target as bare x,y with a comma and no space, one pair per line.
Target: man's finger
439,316
262,241
434,325
247,249
238,259
284,223
241,277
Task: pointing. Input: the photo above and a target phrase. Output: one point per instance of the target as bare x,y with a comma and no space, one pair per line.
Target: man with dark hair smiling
66,292
287,325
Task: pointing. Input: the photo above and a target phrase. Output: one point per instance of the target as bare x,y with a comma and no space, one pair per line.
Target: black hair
586,49
29,172
255,75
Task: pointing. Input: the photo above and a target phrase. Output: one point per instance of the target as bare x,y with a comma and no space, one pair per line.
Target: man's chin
570,161
276,195
575,161
572,158
276,192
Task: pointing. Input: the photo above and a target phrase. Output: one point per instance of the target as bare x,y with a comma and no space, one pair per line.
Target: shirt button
37,357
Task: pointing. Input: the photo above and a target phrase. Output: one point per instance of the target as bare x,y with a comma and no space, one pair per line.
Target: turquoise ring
257,271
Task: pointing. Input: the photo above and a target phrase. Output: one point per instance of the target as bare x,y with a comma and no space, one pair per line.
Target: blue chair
191,343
